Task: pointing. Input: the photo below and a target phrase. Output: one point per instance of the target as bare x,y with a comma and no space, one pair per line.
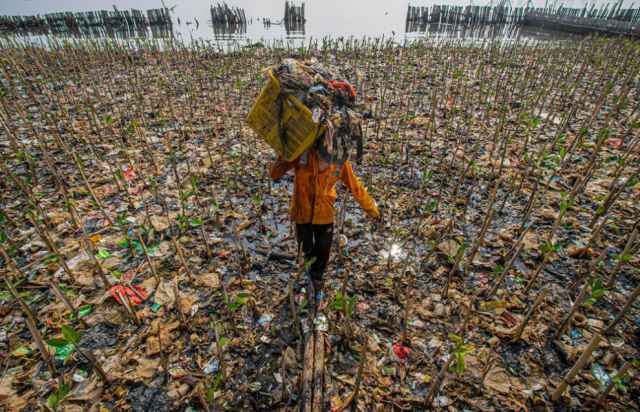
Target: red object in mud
401,351
340,85
616,143
129,174
134,296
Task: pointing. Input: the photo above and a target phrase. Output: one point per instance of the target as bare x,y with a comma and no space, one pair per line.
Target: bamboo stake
622,257
536,303
30,317
437,383
220,351
576,304
577,367
352,400
147,257
55,288
634,295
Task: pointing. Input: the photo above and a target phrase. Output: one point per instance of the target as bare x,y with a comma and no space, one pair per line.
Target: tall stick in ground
31,319
623,312
55,288
576,304
437,383
624,257
577,367
527,317
485,226
515,251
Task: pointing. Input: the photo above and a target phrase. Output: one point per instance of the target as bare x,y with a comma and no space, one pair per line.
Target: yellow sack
284,122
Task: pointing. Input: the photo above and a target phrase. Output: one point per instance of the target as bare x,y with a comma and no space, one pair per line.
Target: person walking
312,206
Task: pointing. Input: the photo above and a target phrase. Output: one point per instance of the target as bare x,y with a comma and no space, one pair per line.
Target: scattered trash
401,351
152,149
321,323
265,320
212,367
79,376
135,293
600,374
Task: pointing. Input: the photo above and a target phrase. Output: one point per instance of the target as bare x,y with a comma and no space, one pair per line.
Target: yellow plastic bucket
285,123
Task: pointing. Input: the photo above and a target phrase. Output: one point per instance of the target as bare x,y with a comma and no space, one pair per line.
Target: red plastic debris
362,307
134,296
129,174
401,351
340,85
615,143
223,253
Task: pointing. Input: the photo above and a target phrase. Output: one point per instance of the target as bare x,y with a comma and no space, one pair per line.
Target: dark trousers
315,241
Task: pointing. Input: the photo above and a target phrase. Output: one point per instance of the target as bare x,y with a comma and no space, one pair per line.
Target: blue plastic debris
600,374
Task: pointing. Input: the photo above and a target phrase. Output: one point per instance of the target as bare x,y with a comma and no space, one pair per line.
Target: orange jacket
314,190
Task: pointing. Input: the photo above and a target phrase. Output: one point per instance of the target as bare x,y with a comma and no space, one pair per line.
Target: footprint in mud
143,398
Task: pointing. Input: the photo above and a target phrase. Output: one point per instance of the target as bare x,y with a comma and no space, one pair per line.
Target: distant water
335,18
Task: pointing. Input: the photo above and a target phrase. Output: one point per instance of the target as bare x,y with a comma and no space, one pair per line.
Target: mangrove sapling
595,290
624,257
527,317
436,384
577,367
352,400
459,182
199,221
221,342
71,336
485,226
90,187
534,162
128,306
405,318
14,144
615,190
584,130
63,262
181,258
514,252
26,190
623,312
87,247
30,317
143,246
455,262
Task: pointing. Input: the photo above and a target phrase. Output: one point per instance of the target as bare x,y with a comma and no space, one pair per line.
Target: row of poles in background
229,21
608,18
92,23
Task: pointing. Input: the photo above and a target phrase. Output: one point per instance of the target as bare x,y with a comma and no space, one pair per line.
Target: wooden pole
577,367
623,311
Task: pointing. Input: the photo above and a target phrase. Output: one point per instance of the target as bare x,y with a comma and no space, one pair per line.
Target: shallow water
358,18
